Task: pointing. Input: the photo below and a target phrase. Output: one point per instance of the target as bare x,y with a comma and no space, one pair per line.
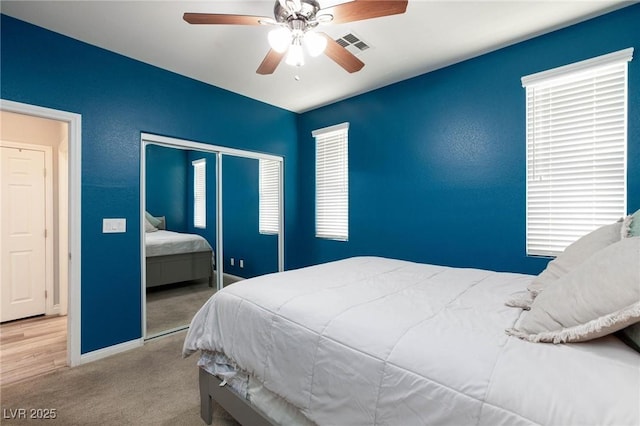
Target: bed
377,341
173,257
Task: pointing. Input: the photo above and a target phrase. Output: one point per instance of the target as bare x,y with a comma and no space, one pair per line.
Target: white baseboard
111,350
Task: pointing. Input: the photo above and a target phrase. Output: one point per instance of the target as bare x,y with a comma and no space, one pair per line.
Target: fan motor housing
308,10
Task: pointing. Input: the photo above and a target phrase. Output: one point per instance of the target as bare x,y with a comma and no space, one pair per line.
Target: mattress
162,243
374,341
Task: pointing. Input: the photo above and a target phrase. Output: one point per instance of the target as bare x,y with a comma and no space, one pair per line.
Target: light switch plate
110,226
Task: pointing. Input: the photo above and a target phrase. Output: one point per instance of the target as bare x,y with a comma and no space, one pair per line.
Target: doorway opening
35,135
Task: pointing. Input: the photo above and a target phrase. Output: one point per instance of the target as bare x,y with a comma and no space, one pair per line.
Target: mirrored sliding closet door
210,219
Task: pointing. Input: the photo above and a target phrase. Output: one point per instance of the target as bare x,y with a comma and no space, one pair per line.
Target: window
269,194
332,182
576,150
200,193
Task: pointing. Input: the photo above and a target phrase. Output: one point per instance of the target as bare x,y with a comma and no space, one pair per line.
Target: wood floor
32,347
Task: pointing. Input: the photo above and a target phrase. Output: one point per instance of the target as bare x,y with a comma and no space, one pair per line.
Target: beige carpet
151,385
172,306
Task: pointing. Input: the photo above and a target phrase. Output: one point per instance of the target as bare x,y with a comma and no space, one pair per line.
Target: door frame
49,307
74,121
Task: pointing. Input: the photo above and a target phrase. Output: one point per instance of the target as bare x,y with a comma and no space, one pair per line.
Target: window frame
268,196
332,192
199,193
564,159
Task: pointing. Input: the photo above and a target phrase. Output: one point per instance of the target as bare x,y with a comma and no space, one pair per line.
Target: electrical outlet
242,263
233,261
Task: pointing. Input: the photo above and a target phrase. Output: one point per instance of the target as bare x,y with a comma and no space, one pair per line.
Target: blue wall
437,162
118,99
166,185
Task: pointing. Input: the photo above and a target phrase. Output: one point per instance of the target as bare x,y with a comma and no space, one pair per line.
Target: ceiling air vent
352,43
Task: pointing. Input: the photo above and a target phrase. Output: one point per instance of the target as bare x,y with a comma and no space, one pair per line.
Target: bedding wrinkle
269,351
331,320
412,326
321,334
483,403
232,336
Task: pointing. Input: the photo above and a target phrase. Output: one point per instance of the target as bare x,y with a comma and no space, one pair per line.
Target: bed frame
239,408
176,268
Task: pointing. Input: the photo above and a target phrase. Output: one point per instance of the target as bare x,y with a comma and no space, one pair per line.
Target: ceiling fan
296,21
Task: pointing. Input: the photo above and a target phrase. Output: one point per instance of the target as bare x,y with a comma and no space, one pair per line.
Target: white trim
219,227
335,128
199,146
281,219
75,207
624,55
110,350
332,182
50,308
143,249
199,193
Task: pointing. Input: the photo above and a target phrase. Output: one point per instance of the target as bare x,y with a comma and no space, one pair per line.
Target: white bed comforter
373,341
161,243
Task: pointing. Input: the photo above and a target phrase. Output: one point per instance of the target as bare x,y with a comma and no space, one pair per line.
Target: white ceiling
430,35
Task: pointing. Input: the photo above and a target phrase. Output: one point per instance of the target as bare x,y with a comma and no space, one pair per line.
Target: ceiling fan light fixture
296,22
315,43
295,56
279,39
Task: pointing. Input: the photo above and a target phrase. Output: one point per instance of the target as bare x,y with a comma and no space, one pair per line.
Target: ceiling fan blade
222,19
342,56
270,62
359,10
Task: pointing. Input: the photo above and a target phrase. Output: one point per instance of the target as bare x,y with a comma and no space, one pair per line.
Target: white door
22,233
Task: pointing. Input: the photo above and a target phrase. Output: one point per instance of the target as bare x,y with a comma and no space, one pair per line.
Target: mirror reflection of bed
180,253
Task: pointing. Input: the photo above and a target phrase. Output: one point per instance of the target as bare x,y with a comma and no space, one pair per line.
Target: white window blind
269,196
332,182
200,193
576,150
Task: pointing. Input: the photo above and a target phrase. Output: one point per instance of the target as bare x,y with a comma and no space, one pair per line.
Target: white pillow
575,254
154,221
148,227
600,296
521,299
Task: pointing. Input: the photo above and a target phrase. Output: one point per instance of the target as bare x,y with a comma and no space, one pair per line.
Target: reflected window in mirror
269,185
200,193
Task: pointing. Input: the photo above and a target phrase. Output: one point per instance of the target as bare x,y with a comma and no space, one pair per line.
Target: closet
232,198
